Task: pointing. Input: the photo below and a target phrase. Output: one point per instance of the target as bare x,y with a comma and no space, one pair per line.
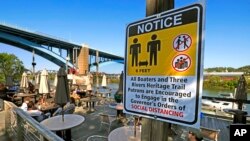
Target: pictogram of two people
153,46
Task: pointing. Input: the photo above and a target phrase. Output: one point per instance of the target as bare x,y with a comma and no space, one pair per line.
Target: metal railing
226,99
218,113
19,126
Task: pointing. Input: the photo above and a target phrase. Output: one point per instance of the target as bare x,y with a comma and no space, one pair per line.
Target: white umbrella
24,81
104,81
37,81
55,80
87,82
44,87
74,79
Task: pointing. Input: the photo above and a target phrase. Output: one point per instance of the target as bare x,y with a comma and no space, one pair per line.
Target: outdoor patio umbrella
24,84
44,87
55,81
37,81
62,89
74,79
104,81
241,91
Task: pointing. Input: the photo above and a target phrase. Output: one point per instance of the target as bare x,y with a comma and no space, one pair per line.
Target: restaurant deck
218,124
91,125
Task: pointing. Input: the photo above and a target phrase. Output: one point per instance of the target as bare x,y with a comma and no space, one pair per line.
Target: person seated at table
31,88
24,106
80,92
75,98
194,135
35,113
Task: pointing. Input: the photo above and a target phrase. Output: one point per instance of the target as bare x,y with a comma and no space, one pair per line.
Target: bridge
223,73
56,50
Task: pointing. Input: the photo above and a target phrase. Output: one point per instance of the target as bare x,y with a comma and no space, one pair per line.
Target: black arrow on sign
143,63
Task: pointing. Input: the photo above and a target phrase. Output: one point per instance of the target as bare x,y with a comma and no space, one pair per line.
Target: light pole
67,60
33,64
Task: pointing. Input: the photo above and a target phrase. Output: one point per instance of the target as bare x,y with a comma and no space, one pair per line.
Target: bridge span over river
56,50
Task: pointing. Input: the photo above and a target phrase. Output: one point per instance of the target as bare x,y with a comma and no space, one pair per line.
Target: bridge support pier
97,68
83,60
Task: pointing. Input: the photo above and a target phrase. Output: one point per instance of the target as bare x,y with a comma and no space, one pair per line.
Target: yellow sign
149,56
163,66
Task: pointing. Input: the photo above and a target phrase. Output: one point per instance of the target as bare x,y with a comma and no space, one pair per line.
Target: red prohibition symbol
182,42
181,62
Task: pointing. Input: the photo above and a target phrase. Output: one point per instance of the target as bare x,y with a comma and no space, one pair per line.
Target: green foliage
10,65
245,69
114,80
221,69
221,82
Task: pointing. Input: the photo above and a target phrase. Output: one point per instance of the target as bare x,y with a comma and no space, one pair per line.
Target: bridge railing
20,126
35,32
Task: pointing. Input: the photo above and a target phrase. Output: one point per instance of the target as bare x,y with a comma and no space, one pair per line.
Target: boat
226,95
219,105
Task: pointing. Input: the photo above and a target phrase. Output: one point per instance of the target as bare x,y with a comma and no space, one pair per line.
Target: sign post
164,64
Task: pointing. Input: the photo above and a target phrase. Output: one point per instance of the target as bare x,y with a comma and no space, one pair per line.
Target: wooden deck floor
91,125
217,123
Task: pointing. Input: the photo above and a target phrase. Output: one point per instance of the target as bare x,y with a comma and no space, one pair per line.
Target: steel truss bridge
56,50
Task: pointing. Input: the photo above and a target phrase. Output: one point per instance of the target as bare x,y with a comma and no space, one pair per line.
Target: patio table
118,107
56,124
90,102
105,94
51,107
125,133
23,95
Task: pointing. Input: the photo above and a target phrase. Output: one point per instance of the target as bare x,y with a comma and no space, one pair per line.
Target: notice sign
163,66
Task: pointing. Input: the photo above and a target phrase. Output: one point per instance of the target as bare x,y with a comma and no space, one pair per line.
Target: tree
10,65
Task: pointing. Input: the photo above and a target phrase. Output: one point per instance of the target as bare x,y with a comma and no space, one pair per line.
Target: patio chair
97,138
209,134
57,112
107,120
69,109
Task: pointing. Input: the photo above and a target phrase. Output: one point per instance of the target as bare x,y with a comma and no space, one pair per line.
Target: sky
101,24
